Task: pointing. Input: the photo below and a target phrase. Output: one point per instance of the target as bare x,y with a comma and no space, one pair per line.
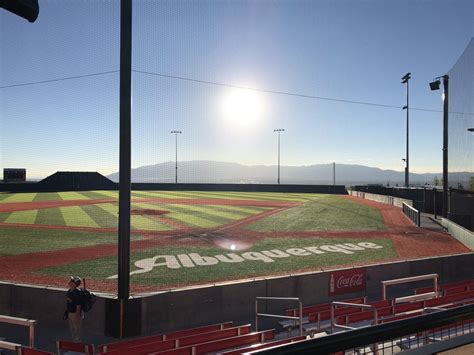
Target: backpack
88,299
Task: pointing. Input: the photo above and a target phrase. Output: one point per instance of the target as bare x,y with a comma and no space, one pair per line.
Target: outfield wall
39,187
424,199
462,234
177,309
390,200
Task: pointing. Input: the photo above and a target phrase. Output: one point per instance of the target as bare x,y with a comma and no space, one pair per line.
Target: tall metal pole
176,156
407,172
334,173
125,149
279,130
405,80
445,145
278,157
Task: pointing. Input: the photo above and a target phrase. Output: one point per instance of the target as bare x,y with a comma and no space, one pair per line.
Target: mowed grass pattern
315,212
325,213
137,221
75,216
24,217
72,195
16,241
20,197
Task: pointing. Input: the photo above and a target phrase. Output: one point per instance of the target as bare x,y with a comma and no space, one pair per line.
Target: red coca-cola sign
347,281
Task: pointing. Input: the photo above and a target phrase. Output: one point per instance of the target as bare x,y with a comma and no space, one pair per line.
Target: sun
242,107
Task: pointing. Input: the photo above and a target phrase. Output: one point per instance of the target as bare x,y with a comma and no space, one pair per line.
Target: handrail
353,305
8,345
300,318
417,297
30,323
411,213
378,333
410,279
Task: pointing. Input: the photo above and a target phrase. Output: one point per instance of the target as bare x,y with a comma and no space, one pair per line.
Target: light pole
405,80
279,130
176,154
434,85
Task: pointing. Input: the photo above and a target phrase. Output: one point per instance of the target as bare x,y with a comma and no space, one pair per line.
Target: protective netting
461,119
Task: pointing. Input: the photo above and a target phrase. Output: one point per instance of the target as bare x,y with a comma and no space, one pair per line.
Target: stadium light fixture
405,80
435,85
176,155
279,130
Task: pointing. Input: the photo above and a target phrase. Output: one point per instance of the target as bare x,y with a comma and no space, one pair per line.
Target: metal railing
300,318
30,323
412,213
433,294
411,332
353,305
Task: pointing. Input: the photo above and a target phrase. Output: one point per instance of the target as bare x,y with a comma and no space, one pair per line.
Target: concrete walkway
429,222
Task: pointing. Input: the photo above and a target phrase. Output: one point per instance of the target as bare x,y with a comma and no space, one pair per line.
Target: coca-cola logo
347,281
355,280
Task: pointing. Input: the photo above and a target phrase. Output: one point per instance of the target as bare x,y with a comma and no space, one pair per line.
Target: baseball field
186,238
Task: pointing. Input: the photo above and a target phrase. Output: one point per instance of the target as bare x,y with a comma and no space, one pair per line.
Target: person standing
74,308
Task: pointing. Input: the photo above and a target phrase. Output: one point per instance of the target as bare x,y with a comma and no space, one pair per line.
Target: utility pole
279,130
405,80
445,144
176,155
334,173
125,149
434,85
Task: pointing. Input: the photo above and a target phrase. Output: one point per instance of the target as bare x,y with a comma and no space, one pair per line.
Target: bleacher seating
449,288
22,350
228,339
62,345
223,344
180,342
168,336
262,346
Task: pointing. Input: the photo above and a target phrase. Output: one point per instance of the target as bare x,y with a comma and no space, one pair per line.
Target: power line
277,92
288,93
264,90
59,79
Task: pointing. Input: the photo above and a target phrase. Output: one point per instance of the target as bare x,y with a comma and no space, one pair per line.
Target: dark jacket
73,299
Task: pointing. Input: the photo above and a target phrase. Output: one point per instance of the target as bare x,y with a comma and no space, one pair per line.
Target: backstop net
461,121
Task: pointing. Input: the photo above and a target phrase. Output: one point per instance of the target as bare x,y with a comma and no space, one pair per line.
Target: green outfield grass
313,212
104,215
16,241
316,212
163,276
323,213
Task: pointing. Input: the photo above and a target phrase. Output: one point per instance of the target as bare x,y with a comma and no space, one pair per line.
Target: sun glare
242,107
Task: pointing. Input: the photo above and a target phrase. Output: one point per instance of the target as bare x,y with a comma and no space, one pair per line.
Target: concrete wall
464,235
390,200
47,305
424,199
176,309
66,186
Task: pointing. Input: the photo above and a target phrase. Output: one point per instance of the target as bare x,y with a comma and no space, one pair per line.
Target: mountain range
205,171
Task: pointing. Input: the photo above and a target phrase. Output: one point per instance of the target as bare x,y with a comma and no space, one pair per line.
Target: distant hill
205,171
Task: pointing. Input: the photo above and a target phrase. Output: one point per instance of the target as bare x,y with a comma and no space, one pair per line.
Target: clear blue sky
351,50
